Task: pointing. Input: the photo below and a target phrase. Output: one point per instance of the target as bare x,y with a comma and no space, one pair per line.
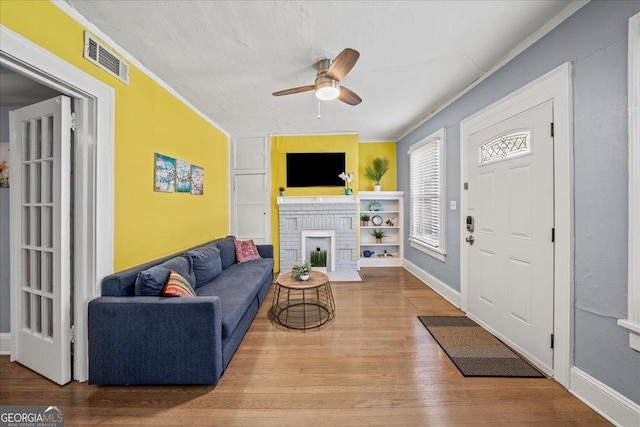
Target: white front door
250,194
510,262
40,144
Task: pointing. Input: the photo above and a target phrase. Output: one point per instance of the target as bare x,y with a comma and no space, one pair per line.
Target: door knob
470,239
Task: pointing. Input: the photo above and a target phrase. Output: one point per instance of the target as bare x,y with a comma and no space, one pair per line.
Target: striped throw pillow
177,286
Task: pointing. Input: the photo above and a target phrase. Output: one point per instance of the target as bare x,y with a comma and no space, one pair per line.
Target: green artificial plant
377,170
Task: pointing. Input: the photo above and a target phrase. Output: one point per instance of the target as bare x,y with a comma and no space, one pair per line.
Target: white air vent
95,52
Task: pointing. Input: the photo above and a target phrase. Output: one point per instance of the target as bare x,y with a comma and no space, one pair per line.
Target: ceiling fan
327,84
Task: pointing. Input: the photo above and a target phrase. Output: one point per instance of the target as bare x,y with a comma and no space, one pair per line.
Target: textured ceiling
227,57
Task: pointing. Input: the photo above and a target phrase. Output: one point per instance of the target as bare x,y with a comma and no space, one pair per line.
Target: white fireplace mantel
296,200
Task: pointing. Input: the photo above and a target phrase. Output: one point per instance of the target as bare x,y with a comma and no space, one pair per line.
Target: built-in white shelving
387,253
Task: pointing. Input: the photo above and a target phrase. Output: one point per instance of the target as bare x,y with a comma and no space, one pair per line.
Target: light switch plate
452,205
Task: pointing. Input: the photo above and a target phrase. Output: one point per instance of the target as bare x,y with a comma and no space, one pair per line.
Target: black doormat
474,351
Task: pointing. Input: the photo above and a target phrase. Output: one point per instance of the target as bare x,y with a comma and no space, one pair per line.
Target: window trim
440,251
632,322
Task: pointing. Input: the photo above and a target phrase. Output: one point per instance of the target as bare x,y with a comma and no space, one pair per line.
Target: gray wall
5,316
594,40
4,125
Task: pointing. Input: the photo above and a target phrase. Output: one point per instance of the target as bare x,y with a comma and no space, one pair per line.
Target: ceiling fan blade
343,63
348,96
294,90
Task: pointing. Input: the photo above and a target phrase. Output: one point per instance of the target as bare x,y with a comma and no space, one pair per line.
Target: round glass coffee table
305,304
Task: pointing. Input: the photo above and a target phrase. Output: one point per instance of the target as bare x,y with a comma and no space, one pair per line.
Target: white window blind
426,195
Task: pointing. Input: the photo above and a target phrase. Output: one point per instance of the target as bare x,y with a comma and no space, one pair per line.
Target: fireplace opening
318,248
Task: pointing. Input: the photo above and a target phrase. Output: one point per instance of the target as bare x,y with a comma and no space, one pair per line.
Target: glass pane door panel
37,180
26,226
26,310
36,272
48,317
26,183
26,268
37,149
37,225
47,227
47,272
47,182
48,143
37,314
26,141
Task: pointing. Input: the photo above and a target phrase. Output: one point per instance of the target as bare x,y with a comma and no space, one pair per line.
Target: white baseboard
5,343
613,406
436,284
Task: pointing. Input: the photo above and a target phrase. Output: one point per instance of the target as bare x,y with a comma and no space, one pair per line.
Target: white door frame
556,86
94,103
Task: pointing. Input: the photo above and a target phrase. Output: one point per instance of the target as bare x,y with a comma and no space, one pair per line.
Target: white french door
40,237
511,252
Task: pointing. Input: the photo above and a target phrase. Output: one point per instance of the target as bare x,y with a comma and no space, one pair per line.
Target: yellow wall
369,151
148,119
281,145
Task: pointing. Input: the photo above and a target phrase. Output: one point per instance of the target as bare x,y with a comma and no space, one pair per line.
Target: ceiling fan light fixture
328,90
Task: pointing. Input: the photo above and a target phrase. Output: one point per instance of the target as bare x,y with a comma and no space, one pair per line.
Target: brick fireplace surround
318,213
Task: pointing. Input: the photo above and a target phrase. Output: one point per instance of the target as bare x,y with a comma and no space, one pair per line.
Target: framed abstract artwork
183,176
197,180
165,173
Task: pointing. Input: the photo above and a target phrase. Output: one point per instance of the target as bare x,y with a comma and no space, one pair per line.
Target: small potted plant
378,234
281,190
365,220
301,272
377,171
347,177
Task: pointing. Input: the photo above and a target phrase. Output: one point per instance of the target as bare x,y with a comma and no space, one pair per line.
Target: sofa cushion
246,251
177,286
150,282
237,286
207,264
227,251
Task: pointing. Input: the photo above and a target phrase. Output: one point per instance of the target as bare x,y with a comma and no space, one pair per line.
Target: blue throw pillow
227,251
206,263
151,281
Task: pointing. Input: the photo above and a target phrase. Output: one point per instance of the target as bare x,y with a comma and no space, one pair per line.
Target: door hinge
553,235
72,333
551,340
552,130
73,122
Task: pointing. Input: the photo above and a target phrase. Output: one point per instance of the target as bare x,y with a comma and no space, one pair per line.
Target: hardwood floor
375,365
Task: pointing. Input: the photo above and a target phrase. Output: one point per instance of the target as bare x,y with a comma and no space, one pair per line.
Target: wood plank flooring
375,365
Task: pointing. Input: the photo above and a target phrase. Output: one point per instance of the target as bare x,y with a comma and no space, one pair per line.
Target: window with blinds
426,200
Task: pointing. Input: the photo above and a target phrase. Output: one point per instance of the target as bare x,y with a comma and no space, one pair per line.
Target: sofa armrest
155,340
265,251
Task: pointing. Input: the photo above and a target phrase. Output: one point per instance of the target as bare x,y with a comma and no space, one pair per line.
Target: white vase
304,277
377,187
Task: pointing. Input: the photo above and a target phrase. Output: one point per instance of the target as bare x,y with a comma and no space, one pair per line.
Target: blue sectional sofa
137,337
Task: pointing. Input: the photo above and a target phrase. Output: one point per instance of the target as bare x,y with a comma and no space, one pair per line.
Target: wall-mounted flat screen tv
315,169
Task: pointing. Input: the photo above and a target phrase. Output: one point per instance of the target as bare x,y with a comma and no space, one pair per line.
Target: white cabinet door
250,207
510,266
40,238
250,195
